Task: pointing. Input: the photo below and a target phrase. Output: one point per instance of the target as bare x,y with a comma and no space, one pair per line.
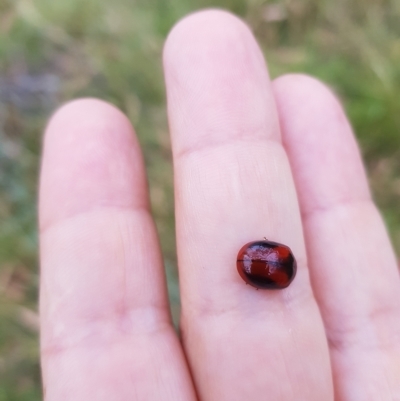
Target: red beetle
266,264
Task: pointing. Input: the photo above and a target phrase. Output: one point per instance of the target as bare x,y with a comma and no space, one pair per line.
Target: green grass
52,51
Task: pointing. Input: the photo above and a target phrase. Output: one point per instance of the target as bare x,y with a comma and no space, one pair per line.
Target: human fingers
106,330
352,265
233,185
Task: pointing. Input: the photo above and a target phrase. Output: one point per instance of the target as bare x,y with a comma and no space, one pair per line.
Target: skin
252,158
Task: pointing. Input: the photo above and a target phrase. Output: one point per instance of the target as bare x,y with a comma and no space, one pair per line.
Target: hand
251,159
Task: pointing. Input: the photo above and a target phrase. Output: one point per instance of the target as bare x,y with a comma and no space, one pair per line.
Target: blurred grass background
52,51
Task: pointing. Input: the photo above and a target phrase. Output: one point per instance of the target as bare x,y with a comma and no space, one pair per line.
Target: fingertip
91,158
321,146
310,94
202,26
299,80
77,113
217,82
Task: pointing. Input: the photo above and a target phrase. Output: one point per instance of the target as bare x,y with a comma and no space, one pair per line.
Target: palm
106,329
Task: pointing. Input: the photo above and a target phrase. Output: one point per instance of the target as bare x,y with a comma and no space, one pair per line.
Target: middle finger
234,185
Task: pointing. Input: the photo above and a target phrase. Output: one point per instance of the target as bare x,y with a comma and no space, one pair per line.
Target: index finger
106,332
